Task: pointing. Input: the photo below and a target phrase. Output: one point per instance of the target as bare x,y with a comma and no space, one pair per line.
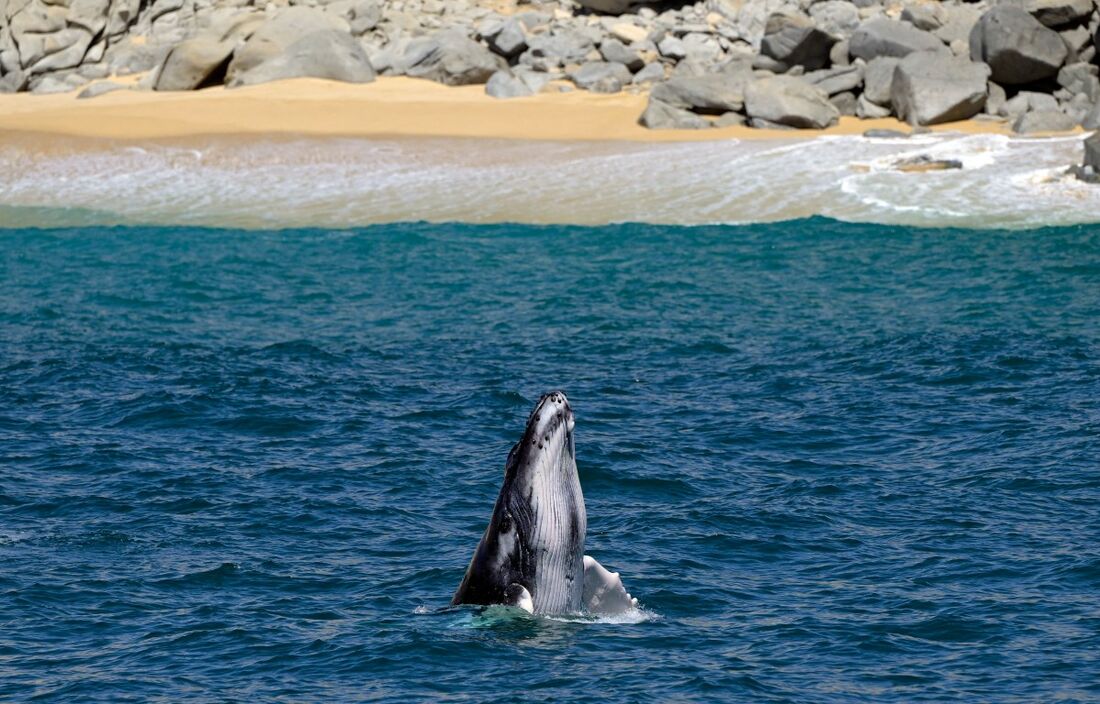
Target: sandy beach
387,107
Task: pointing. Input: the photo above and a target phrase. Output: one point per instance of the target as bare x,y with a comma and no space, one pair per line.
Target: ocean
835,462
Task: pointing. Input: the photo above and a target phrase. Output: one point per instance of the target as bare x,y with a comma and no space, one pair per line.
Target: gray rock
1043,121
794,40
614,50
662,116
1080,78
328,54
672,47
547,52
510,41
885,134
100,88
866,110
713,94
1078,39
836,80
1092,151
451,58
730,119
601,77
192,63
1056,13
928,16
789,101
649,73
846,103
836,17
364,16
1037,101
995,99
503,84
1077,108
839,55
878,79
883,37
932,87
1016,46
1092,119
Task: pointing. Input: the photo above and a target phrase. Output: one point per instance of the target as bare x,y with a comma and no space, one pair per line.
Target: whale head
532,552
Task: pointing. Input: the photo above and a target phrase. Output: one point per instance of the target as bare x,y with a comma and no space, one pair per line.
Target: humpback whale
531,555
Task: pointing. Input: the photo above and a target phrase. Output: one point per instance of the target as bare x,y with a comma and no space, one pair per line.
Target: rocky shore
776,64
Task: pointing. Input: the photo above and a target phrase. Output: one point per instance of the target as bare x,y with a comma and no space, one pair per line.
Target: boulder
601,77
922,163
836,80
1016,46
662,116
712,94
789,101
1057,13
328,54
503,84
928,16
1080,78
866,110
835,17
1092,118
193,63
649,73
451,58
878,78
628,33
845,103
550,51
884,37
510,40
1092,151
933,87
614,50
794,40
1043,121
300,42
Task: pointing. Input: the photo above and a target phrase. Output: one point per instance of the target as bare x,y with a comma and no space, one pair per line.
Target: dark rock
608,7
883,37
1057,13
601,77
794,40
662,116
885,134
1016,46
933,87
193,63
922,163
789,101
1043,121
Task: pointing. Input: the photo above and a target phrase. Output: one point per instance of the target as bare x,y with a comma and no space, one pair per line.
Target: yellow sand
387,107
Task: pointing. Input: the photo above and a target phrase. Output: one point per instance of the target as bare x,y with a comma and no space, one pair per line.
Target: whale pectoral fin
518,596
604,592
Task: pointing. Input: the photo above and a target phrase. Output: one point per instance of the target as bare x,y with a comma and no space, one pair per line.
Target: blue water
835,462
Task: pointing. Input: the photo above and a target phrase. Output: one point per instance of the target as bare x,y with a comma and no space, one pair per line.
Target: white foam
340,183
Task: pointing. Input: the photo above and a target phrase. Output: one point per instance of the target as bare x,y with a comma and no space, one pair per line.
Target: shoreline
390,107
